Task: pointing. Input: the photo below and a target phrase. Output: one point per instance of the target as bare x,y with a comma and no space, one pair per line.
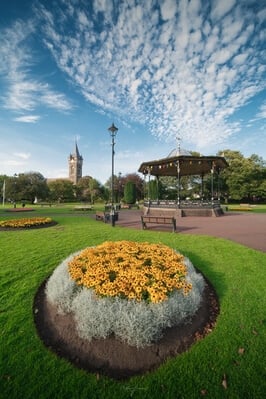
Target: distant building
75,162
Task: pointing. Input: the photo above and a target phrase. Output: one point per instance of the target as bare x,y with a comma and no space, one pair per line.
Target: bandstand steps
197,212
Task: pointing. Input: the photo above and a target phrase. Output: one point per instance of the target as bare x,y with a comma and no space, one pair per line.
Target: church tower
75,162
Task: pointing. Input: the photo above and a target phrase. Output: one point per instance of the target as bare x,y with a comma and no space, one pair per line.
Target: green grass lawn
234,350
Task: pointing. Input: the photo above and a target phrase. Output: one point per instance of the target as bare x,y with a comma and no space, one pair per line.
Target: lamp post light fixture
113,130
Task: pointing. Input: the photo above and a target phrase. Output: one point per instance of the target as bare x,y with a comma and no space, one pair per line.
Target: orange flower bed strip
25,222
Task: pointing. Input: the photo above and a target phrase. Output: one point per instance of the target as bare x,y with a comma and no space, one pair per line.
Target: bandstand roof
188,165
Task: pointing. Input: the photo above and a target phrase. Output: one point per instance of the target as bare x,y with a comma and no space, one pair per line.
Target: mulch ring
112,357
41,226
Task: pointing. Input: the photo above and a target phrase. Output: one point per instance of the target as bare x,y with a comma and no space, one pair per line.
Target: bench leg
174,225
143,224
106,218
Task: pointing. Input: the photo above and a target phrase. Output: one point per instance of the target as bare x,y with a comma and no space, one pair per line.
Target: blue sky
159,69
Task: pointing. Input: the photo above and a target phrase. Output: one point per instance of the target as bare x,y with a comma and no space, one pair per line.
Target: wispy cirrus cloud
22,155
27,118
14,159
262,111
23,93
182,68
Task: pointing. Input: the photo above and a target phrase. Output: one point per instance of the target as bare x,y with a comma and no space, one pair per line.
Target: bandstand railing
182,204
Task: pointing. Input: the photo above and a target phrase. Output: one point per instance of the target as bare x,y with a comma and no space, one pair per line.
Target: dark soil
23,209
111,356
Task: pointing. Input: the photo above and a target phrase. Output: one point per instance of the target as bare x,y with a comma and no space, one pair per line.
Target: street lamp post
119,195
212,172
113,130
15,190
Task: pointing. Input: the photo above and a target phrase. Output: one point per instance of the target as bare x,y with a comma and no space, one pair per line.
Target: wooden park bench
245,205
103,216
42,204
158,219
83,208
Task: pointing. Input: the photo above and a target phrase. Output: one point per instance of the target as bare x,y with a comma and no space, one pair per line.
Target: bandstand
182,163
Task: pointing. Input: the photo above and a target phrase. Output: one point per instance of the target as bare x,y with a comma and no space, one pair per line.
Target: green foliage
61,190
89,190
25,187
120,183
137,180
155,189
245,178
130,193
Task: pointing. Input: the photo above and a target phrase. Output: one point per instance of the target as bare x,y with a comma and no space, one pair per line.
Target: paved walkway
245,228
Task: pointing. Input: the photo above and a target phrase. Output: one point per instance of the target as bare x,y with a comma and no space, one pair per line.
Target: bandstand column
178,183
202,181
218,184
149,180
157,188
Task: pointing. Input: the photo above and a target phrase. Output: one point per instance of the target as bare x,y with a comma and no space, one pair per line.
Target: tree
89,189
244,179
130,193
168,188
155,189
120,183
137,180
33,185
26,187
189,187
61,190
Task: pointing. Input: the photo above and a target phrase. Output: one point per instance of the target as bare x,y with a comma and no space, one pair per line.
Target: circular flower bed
131,290
25,223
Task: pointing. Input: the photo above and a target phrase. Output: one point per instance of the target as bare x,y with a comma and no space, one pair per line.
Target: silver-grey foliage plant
137,323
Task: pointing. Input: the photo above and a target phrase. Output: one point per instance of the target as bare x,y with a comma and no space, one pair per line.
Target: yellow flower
25,222
138,271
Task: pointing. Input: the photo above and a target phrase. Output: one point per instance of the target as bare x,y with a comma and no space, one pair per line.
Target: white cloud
104,6
262,112
11,163
222,56
54,100
27,118
22,155
168,9
23,93
221,8
184,76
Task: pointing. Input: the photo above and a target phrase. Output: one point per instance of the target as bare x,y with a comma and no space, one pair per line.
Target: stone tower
75,162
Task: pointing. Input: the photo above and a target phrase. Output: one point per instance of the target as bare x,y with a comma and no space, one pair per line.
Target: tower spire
76,148
75,162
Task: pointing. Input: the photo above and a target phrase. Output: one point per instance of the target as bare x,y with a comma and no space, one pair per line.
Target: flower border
26,223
